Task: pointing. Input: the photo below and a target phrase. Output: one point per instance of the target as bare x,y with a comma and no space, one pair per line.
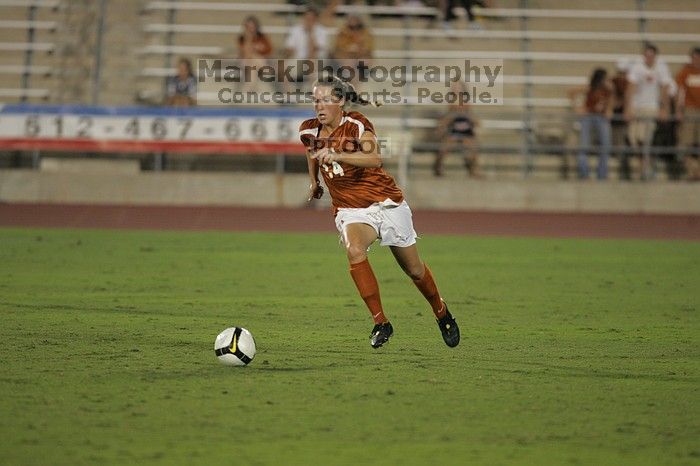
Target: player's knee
415,271
356,253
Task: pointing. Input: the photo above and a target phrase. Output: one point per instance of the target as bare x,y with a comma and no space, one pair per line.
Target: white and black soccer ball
235,346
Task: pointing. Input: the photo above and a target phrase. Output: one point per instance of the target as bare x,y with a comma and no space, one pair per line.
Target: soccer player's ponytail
351,95
343,89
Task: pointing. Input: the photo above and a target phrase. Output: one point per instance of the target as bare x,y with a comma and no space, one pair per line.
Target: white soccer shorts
393,222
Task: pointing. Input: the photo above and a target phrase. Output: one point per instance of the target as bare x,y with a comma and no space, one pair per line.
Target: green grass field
573,352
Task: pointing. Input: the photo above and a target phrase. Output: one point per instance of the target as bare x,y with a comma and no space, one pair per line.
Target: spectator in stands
595,114
688,114
353,43
308,39
665,139
457,131
255,48
253,44
618,125
448,10
646,98
181,89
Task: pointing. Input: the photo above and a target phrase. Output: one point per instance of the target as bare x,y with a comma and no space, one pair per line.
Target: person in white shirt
307,40
647,99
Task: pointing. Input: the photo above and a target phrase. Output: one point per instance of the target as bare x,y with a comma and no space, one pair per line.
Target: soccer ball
235,346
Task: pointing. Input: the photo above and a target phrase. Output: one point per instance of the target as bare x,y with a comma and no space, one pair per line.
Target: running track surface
427,222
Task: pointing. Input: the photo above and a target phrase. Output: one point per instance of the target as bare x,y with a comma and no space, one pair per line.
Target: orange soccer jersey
688,78
348,185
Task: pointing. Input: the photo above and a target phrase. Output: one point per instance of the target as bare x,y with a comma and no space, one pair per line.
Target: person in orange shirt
367,203
688,114
255,48
253,44
353,43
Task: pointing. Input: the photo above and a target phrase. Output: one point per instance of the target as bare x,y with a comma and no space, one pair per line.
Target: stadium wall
124,185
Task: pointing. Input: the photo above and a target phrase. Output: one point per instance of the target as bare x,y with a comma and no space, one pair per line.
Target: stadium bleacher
547,48
547,90
27,41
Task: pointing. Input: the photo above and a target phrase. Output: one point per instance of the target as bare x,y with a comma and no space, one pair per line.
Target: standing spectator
646,99
457,131
353,43
665,138
618,125
181,89
688,114
596,113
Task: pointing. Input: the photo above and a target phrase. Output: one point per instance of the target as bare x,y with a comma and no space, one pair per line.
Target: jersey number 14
334,169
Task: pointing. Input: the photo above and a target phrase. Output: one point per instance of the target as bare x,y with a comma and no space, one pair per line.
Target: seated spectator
253,44
596,113
255,48
457,131
353,43
646,99
307,39
181,89
688,114
448,9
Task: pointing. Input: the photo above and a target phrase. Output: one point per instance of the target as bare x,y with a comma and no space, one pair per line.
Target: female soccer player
367,203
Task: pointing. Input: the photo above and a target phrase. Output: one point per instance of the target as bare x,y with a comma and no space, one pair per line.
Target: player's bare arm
315,188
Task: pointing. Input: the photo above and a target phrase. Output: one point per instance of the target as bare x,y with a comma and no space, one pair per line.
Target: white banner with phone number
145,129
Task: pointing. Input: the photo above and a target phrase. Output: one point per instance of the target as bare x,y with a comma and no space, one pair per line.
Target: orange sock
368,287
427,286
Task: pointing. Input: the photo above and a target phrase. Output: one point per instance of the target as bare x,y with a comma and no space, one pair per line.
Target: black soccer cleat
380,334
449,328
